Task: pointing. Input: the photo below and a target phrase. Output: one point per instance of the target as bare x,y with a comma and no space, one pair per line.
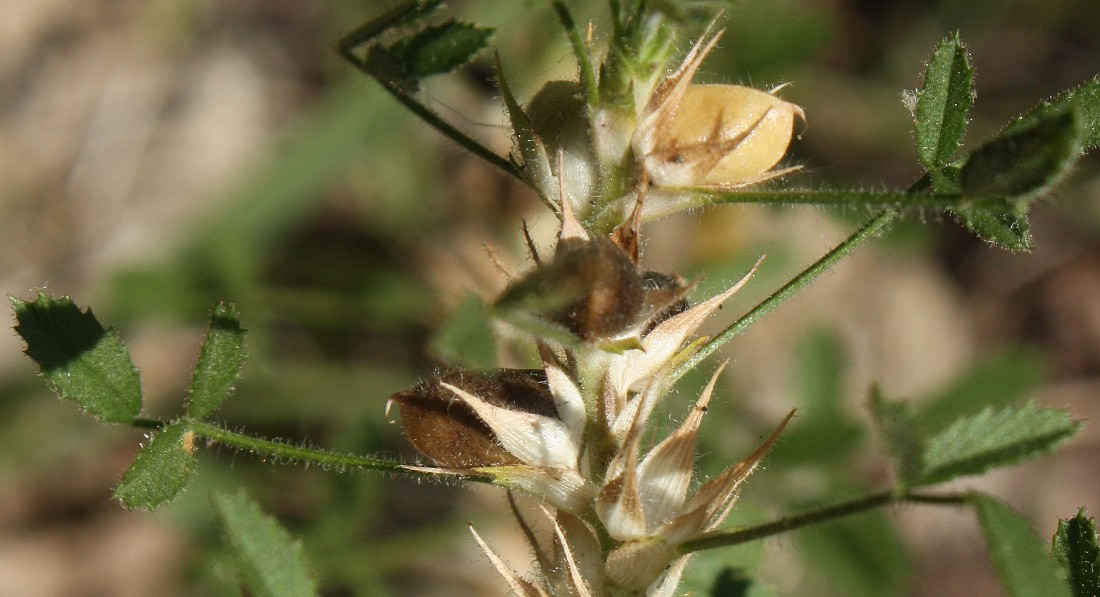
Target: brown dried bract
444,428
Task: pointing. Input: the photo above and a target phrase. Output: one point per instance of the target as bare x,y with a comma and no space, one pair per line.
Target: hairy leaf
1086,99
899,432
160,471
79,359
440,49
943,102
997,382
1027,160
219,362
994,438
1075,550
1021,562
1000,226
273,564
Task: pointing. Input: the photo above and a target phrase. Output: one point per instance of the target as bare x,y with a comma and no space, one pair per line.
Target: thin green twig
784,525
847,198
291,452
352,41
286,452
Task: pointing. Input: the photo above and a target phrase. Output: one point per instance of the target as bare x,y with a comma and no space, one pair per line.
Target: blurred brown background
158,156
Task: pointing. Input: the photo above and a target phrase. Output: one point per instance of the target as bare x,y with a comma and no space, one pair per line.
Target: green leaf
402,14
943,102
1075,550
994,438
219,362
440,49
1020,559
1026,160
161,469
1086,100
273,564
79,359
1002,227
996,382
899,431
466,339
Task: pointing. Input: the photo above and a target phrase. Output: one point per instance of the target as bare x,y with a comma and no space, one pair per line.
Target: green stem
895,199
784,525
290,452
430,117
282,451
866,232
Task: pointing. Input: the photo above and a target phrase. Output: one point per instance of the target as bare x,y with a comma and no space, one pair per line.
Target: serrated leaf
466,339
996,382
1075,550
1002,227
219,362
994,438
402,14
272,562
1025,161
1020,559
80,360
899,431
440,49
1086,99
943,103
160,471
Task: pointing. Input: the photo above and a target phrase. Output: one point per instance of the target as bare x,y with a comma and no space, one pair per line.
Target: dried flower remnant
576,435
571,434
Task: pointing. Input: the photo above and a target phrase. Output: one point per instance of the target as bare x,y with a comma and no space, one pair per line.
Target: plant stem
285,452
433,119
851,198
783,525
867,231
290,452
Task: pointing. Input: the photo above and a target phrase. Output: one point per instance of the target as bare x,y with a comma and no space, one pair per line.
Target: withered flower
575,434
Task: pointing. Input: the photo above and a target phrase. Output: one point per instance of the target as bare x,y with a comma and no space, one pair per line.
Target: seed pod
444,428
721,136
592,288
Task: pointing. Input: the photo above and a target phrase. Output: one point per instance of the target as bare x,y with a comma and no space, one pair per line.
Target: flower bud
720,136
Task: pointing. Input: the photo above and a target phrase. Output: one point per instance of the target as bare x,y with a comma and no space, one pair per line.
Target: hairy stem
784,525
848,198
290,452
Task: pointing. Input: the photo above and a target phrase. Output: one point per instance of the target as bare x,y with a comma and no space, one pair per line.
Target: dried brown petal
444,428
